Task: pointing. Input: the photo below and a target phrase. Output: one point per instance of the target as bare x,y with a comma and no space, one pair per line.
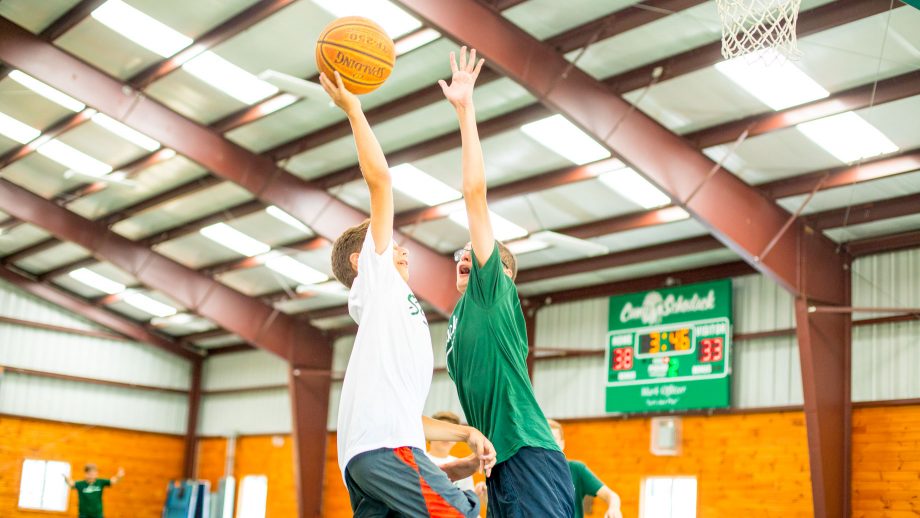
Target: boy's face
92,474
400,261
464,266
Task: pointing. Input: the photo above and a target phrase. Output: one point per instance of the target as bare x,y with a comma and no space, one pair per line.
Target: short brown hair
447,417
555,425
348,243
508,259
90,467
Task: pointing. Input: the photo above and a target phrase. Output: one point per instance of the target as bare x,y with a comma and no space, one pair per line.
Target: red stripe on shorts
437,506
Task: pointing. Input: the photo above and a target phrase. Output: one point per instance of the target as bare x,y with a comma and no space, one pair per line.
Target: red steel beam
308,244
866,212
189,453
888,90
70,19
309,392
130,169
237,211
842,176
109,320
881,244
226,30
247,317
752,225
37,248
693,245
258,174
62,125
67,268
651,282
211,333
810,22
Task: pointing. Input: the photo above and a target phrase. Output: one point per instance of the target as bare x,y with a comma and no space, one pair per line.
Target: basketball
359,50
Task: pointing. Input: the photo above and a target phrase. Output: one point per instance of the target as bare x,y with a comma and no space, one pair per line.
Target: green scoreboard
670,349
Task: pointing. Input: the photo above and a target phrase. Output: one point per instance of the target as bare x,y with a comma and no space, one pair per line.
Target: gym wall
149,459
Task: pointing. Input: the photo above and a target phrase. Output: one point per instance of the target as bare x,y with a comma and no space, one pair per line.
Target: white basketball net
750,27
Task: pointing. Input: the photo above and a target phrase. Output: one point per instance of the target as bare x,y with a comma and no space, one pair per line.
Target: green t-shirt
585,484
487,359
90,497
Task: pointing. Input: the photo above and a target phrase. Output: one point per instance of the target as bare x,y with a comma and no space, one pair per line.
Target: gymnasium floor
167,302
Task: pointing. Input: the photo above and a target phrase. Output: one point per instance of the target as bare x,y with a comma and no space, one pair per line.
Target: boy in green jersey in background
586,482
89,502
487,344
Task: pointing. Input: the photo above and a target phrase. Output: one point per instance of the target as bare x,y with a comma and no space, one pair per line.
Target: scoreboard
670,349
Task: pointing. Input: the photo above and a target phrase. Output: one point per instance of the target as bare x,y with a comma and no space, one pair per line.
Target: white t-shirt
465,484
389,371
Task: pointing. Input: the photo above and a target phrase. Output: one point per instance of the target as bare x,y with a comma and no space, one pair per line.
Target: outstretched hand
483,450
342,98
460,90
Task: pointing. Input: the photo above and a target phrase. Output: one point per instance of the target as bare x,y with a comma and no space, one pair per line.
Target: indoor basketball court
651,259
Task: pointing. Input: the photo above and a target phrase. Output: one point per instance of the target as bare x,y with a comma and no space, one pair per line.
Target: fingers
453,63
463,58
327,85
443,84
478,68
472,61
338,80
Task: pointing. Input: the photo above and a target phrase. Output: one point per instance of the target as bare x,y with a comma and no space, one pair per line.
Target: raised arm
483,457
68,480
460,95
371,160
118,476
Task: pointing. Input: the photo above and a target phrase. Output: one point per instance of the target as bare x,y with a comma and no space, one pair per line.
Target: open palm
460,90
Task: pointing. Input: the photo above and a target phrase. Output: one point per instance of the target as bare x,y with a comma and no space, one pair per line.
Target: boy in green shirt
89,491
487,344
586,482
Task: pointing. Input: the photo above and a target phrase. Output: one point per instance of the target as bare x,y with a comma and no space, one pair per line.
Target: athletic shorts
534,482
404,482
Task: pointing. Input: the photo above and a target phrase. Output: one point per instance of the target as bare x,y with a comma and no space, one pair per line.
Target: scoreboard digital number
670,349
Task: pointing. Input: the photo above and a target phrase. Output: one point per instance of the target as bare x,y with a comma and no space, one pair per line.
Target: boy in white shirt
381,430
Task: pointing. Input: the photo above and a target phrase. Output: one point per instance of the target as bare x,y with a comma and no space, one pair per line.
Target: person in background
586,482
89,490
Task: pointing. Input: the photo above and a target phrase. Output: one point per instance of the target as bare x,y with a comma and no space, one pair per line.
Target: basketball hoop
752,27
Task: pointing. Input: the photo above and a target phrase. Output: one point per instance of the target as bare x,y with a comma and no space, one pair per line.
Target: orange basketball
359,50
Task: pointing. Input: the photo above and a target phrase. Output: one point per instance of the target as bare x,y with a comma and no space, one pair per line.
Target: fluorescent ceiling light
848,137
628,184
415,40
501,227
96,281
46,91
421,186
227,236
525,246
566,139
295,270
776,82
140,28
277,103
15,130
573,244
395,21
73,159
334,288
149,305
179,319
133,136
282,216
229,78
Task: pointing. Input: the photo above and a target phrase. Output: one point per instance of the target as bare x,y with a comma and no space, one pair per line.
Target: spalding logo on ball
359,50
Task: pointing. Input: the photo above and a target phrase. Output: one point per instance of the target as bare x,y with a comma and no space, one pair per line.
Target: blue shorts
404,482
534,482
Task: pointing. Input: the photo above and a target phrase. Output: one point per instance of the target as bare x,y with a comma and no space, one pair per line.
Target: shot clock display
670,349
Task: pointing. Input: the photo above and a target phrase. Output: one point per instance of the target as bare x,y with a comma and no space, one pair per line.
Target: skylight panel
140,28
97,281
394,20
778,83
421,186
295,270
630,185
848,137
46,91
501,227
229,78
231,238
131,135
559,135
